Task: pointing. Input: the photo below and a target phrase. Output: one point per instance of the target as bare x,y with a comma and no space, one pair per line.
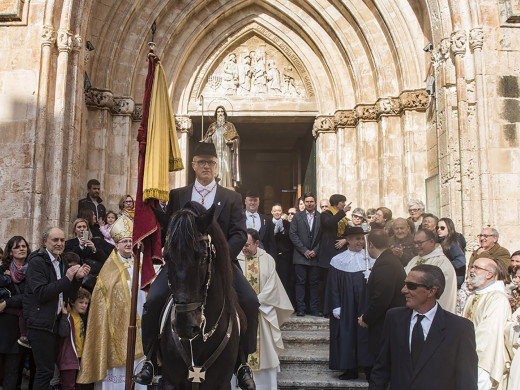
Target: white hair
416,202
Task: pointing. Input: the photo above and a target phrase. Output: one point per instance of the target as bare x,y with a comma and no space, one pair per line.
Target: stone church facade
398,100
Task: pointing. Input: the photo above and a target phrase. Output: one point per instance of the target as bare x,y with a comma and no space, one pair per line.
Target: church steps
304,364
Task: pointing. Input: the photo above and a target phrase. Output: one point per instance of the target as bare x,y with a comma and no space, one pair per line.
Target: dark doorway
277,155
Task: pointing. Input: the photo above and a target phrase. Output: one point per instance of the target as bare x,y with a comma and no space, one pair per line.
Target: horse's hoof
145,376
245,378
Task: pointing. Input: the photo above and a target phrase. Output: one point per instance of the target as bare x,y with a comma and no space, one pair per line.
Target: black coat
384,292
304,239
9,322
282,241
448,360
42,290
266,234
329,235
228,213
86,203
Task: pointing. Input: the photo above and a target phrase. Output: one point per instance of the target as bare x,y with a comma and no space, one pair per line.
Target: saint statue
227,143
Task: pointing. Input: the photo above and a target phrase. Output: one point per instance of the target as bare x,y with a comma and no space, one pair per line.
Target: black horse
199,344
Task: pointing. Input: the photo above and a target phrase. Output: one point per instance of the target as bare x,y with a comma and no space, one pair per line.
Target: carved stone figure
227,143
244,77
259,75
230,77
273,79
288,82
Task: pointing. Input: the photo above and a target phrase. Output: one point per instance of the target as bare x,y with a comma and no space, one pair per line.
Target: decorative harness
197,374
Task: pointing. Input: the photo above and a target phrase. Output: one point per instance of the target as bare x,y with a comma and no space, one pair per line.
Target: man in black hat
346,299
229,215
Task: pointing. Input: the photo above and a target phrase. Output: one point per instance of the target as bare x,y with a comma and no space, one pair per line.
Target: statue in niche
244,77
227,143
230,77
273,78
288,82
259,75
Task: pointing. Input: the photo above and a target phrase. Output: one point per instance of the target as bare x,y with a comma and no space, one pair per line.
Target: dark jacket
8,321
266,234
67,356
384,292
408,247
282,240
86,203
87,256
228,213
42,290
329,235
305,239
457,258
448,360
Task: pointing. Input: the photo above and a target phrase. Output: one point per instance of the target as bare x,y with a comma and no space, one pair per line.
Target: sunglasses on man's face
292,213
413,286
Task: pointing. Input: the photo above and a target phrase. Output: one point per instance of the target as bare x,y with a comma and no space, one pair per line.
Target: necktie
253,217
417,340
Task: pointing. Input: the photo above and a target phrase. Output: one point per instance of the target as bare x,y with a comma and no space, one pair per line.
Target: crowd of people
403,303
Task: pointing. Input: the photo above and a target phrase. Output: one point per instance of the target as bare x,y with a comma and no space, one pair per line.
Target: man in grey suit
304,234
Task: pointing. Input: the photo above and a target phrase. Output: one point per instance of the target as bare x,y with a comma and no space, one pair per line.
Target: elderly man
489,247
346,299
401,243
49,282
275,308
424,346
416,211
431,253
489,310
429,222
324,205
104,353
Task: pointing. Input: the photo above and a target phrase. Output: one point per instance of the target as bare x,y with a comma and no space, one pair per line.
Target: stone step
314,359
306,323
305,339
301,380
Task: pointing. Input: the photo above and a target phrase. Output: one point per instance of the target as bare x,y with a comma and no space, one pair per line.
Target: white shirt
350,261
56,264
253,221
200,192
310,218
426,322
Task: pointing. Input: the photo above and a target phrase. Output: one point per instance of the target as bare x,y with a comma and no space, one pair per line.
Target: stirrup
143,361
238,369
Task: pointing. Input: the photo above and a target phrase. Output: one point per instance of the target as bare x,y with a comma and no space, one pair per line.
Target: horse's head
190,256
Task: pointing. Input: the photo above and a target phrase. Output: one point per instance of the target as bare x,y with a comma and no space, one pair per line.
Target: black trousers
311,274
10,362
45,350
159,293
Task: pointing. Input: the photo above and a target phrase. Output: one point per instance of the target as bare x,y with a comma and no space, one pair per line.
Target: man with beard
489,310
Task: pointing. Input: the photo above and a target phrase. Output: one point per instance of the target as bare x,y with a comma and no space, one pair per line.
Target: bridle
210,256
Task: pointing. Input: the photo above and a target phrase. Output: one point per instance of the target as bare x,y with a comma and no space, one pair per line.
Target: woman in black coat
452,248
13,267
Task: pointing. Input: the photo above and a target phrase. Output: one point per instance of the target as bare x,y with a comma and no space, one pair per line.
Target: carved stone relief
476,38
323,124
345,118
257,68
48,36
123,106
415,100
458,42
99,98
184,124
137,114
388,106
366,112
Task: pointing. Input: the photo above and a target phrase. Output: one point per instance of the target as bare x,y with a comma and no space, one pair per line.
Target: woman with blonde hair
127,206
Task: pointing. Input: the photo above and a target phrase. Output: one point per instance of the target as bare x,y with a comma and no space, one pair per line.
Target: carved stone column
324,132
184,126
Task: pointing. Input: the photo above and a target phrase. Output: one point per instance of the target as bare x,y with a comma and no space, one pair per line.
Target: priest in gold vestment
490,311
104,355
275,308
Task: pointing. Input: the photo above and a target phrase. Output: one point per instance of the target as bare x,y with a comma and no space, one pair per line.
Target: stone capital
388,107
184,124
77,42
137,114
122,106
476,38
345,118
48,36
366,112
414,100
442,53
64,41
458,41
99,98
323,124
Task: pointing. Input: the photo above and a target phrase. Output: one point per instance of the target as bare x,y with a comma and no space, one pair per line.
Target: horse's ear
204,220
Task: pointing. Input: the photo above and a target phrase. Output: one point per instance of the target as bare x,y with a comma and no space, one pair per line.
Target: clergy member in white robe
489,309
513,345
275,308
429,252
104,354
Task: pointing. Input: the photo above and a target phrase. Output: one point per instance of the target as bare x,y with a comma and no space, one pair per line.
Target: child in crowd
72,329
105,229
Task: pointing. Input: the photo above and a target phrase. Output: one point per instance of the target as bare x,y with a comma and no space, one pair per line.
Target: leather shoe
317,314
145,376
300,313
349,374
245,378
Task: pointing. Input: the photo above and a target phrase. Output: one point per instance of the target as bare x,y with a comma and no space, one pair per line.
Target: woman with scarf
126,206
13,266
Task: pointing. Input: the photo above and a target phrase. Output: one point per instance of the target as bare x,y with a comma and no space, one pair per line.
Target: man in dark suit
231,219
284,250
304,234
384,287
424,346
260,222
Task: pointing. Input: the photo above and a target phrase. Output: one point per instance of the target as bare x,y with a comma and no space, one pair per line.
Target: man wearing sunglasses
490,248
424,346
429,252
489,310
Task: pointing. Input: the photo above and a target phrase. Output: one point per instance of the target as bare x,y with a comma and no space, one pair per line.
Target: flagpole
132,329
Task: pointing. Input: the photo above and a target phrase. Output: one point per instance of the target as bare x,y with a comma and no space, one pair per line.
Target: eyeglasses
128,201
201,163
413,286
419,243
479,268
358,216
484,235
413,210
442,227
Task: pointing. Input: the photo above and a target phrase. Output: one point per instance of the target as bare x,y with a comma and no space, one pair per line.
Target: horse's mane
183,233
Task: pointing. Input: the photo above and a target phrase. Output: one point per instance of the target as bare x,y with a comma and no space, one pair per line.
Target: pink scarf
17,272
